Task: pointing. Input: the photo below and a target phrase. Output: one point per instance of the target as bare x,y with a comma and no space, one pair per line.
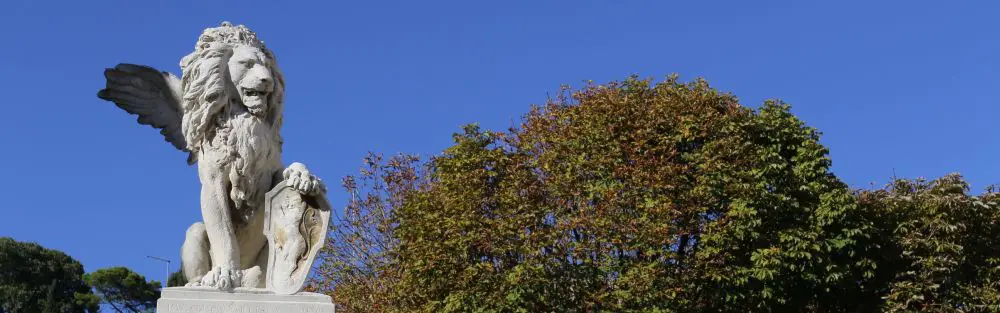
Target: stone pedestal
207,300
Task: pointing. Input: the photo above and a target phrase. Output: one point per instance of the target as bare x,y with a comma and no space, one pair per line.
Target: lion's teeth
253,93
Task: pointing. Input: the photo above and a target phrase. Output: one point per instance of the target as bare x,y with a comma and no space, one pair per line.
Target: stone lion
226,112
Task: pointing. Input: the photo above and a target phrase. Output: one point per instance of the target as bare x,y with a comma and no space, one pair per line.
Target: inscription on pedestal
191,300
215,308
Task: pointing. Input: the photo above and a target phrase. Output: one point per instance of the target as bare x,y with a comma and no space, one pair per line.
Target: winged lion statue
225,111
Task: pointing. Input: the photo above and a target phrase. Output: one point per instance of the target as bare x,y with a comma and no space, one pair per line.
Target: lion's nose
262,73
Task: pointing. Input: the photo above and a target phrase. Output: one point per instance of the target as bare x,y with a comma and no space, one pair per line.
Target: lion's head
229,66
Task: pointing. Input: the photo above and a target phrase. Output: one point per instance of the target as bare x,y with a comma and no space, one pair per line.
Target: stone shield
296,227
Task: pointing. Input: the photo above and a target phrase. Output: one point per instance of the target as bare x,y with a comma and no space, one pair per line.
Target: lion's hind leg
256,275
196,259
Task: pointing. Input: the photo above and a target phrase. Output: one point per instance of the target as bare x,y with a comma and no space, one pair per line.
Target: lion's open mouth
254,99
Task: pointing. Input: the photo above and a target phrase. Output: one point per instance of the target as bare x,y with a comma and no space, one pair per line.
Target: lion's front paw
298,177
222,278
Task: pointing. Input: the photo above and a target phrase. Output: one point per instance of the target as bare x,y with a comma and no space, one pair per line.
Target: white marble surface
240,300
295,227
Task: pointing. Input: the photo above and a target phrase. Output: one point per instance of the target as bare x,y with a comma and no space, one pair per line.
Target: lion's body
245,149
243,157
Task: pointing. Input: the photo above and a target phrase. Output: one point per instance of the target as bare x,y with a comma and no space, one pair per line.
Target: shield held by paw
295,226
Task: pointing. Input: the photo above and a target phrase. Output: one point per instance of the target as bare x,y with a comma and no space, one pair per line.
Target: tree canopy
124,290
637,196
177,279
939,246
36,279
631,196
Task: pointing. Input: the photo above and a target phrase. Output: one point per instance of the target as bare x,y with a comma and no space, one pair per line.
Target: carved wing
153,95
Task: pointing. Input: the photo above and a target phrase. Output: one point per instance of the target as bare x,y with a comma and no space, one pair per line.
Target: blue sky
895,86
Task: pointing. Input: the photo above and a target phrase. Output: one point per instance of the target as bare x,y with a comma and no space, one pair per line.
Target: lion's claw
222,278
298,177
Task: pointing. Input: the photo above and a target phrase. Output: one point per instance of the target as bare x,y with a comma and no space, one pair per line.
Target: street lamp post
168,268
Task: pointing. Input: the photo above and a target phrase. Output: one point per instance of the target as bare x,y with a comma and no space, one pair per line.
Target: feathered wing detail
153,95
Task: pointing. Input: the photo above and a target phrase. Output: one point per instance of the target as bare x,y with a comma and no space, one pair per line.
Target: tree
177,279
36,279
939,246
359,269
124,290
629,196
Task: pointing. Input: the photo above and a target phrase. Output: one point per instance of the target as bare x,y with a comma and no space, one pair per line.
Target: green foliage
124,290
643,197
631,196
36,279
177,279
940,245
